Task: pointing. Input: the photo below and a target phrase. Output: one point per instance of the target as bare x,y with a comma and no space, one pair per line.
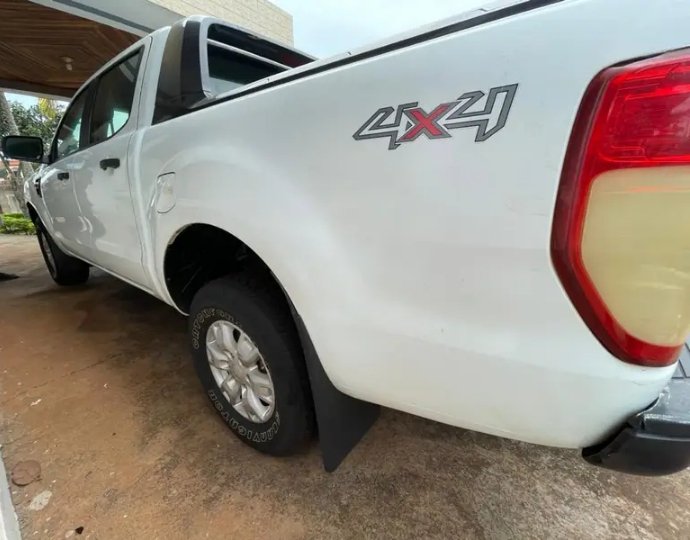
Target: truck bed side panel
423,273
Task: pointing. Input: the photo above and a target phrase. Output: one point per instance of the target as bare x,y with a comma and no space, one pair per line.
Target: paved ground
96,384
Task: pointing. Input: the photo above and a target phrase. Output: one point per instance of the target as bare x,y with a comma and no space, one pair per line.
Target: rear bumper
655,441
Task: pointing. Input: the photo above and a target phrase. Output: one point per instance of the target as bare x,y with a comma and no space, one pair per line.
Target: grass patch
16,224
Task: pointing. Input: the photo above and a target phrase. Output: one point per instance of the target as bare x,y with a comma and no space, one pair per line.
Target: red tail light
621,233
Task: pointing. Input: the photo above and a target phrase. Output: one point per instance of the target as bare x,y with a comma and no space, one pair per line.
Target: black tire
64,269
257,310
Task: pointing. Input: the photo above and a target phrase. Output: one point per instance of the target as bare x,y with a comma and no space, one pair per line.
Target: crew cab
484,222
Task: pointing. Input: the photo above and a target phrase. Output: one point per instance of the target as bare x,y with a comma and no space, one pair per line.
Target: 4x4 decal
411,121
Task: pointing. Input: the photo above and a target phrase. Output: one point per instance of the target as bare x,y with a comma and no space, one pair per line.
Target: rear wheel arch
199,253
214,277
192,261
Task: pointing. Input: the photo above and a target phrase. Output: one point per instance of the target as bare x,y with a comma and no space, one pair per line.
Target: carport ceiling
36,43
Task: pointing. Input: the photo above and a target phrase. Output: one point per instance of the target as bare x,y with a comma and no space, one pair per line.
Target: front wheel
64,269
248,357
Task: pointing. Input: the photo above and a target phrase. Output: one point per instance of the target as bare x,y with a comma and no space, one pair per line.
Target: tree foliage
39,120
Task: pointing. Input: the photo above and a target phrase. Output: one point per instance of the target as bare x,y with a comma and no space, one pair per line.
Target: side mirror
23,148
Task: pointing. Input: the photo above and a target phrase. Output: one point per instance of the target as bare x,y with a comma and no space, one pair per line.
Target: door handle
110,163
63,176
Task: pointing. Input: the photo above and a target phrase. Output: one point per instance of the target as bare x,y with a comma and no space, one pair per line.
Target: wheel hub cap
240,371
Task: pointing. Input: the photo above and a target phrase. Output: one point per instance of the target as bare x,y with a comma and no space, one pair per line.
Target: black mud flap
342,420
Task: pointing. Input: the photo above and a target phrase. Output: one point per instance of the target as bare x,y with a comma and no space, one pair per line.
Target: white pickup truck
485,222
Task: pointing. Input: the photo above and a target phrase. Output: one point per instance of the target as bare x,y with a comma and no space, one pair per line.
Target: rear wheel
64,269
250,363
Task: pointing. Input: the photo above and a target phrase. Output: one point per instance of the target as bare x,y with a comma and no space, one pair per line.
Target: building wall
259,16
8,201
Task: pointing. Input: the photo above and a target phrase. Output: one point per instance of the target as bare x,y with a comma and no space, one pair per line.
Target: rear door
103,189
58,178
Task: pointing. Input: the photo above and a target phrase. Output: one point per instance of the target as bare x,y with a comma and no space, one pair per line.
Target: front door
57,179
103,191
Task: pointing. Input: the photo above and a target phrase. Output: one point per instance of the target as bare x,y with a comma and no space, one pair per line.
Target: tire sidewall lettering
199,324
251,434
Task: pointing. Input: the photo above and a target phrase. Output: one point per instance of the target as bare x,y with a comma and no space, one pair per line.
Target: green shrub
16,224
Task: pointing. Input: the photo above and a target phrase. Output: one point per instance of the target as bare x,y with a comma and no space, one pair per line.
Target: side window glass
114,96
229,70
68,138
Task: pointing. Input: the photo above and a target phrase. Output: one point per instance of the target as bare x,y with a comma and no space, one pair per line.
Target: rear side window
114,96
229,70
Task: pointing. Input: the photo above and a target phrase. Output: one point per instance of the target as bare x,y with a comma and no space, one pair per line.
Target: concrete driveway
97,385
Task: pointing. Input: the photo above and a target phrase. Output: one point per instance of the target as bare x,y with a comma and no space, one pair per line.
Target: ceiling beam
138,17
42,90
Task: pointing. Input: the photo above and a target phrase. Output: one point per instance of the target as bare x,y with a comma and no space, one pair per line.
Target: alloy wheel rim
240,371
